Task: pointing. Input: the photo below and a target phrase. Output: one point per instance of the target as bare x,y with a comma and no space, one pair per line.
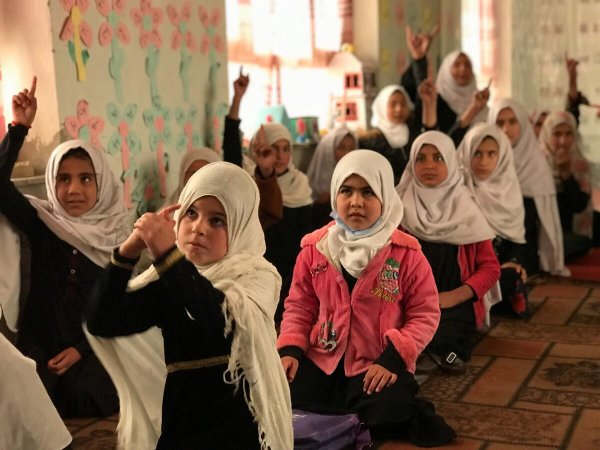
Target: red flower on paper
112,25
181,22
147,19
75,21
83,126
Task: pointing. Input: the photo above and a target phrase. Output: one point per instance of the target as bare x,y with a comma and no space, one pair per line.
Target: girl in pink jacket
362,306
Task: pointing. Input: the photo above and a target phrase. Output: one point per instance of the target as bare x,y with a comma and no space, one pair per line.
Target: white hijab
536,180
445,213
457,97
355,249
323,161
94,233
196,154
499,196
294,185
396,134
251,287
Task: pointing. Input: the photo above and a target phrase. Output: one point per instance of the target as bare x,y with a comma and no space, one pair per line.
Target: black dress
199,410
50,321
572,200
514,295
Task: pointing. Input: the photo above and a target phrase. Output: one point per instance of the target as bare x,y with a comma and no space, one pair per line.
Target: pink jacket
394,300
479,269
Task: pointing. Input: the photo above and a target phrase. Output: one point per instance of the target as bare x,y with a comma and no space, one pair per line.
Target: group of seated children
269,289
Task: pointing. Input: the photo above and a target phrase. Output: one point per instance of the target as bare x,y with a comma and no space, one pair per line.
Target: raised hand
24,105
240,86
427,92
264,155
418,44
157,230
571,65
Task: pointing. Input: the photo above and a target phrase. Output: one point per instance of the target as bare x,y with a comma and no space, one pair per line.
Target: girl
213,296
543,231
559,141
456,240
70,236
396,125
191,162
363,305
486,157
277,178
334,145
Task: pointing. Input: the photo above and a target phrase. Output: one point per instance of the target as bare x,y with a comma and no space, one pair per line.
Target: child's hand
133,246
64,361
24,105
418,44
240,86
377,378
157,230
480,99
427,92
518,268
290,367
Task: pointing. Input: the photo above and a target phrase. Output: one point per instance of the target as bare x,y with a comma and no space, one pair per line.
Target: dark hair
78,153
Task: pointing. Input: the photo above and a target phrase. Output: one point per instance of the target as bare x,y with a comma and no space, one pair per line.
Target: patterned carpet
532,384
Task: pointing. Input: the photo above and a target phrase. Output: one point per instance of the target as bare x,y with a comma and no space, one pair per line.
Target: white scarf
94,233
196,154
536,180
28,419
354,250
499,196
445,213
323,161
251,287
457,97
294,185
397,135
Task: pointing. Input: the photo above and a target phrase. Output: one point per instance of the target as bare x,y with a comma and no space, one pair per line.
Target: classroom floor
531,384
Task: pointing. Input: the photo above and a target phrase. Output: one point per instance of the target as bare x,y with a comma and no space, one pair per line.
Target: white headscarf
251,287
323,161
499,196
536,180
196,154
97,232
94,233
396,134
294,185
457,97
445,213
354,250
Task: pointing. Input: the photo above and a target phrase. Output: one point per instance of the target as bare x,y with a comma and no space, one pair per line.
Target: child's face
202,233
192,169
485,159
356,203
283,152
562,138
462,70
430,167
76,187
345,146
507,122
397,108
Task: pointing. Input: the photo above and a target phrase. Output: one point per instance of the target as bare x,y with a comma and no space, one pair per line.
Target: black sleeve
573,196
13,204
414,76
232,142
293,351
391,360
111,311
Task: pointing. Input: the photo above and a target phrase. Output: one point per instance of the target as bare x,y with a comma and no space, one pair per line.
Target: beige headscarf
355,249
457,97
294,185
499,196
251,287
580,167
445,213
323,161
536,180
397,135
196,154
